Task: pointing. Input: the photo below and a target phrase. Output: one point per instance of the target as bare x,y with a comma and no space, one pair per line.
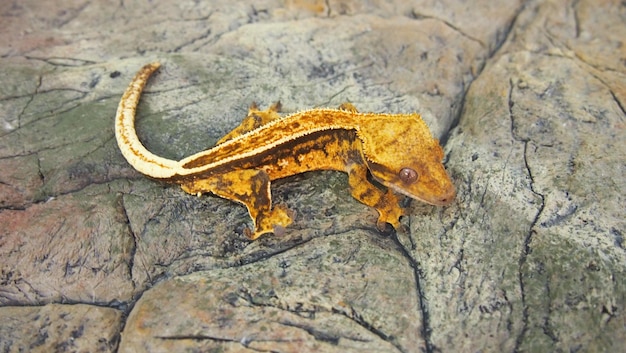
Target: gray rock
528,98
59,328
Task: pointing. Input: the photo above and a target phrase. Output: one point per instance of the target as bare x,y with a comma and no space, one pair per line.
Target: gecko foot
279,217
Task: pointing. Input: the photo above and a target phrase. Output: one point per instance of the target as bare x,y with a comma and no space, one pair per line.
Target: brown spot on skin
367,194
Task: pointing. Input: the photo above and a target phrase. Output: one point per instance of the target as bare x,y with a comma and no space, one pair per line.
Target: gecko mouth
435,200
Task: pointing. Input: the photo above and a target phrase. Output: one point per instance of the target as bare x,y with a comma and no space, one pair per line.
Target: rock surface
528,97
59,328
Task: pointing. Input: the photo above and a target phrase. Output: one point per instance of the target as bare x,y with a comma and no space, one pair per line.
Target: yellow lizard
397,150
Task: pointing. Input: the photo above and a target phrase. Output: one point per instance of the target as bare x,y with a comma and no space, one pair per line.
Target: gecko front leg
251,188
386,203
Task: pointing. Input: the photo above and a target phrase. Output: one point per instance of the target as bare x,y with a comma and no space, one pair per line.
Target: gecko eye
408,175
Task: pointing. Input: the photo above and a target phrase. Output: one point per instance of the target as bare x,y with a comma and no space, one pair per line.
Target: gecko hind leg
254,120
349,107
386,203
252,189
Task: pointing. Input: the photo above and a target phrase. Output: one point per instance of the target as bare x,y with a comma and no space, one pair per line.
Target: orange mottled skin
397,150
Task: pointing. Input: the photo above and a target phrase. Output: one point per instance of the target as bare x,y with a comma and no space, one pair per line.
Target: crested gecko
396,150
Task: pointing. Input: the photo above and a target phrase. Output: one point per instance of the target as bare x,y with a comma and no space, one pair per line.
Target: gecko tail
133,150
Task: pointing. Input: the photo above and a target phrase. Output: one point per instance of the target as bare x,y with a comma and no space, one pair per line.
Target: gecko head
401,154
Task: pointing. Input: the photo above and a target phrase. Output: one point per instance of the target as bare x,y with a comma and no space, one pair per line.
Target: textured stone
337,294
530,256
59,328
69,247
528,98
